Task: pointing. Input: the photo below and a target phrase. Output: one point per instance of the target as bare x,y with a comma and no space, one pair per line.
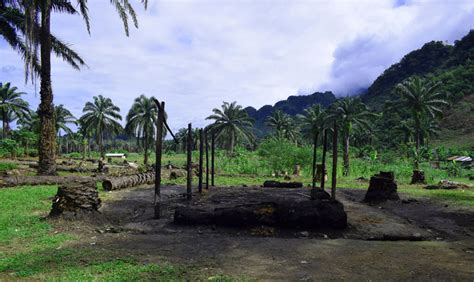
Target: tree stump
418,177
297,170
382,187
76,200
277,184
319,173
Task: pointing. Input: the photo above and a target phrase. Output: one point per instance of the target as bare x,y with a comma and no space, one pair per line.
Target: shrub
8,166
8,148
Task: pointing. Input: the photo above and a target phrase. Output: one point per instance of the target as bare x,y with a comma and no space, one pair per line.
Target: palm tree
37,33
11,105
141,120
283,125
63,117
101,117
313,121
30,122
13,28
231,122
352,114
421,99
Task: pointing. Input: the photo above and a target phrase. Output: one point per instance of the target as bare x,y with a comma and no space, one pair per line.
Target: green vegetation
7,166
31,247
101,117
231,124
141,120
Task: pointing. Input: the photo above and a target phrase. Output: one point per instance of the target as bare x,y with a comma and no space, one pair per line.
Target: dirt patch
127,227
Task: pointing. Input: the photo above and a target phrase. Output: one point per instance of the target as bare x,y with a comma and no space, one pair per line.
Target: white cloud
196,54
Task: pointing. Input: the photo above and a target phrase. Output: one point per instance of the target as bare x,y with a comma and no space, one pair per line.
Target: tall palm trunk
145,161
47,140
101,145
5,126
232,142
346,155
27,149
417,140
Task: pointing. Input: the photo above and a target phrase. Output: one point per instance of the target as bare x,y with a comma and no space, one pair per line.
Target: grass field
32,248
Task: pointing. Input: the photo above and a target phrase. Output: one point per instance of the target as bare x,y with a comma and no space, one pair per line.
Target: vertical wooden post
201,153
213,155
159,145
334,162
325,145
189,169
315,146
207,158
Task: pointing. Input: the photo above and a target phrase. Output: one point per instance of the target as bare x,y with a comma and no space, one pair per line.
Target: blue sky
196,54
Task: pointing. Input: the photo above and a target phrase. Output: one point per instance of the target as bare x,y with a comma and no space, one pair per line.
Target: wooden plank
334,162
201,154
159,146
207,158
213,154
325,145
189,169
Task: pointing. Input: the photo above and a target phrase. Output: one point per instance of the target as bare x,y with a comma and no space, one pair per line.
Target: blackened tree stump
418,177
277,184
382,187
250,207
76,200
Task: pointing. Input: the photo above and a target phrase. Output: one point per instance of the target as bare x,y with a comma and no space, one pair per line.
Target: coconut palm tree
101,117
11,105
37,34
352,114
283,125
231,123
422,99
141,121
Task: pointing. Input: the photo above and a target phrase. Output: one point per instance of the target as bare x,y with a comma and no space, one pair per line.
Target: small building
465,161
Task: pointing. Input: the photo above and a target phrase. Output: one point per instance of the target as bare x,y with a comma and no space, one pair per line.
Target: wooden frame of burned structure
203,149
204,162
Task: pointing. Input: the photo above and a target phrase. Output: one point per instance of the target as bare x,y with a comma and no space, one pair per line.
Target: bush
8,166
282,155
454,169
8,148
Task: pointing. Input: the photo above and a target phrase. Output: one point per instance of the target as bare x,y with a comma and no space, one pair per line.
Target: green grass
31,248
7,166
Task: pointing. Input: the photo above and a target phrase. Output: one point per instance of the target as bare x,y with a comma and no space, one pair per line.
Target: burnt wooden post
201,154
334,162
213,156
207,158
315,146
189,169
159,145
325,145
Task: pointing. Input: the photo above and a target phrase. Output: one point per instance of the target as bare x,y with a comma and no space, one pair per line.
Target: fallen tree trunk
117,183
12,181
68,168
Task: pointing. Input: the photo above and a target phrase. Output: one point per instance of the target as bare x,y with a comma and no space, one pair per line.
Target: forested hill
453,65
293,105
